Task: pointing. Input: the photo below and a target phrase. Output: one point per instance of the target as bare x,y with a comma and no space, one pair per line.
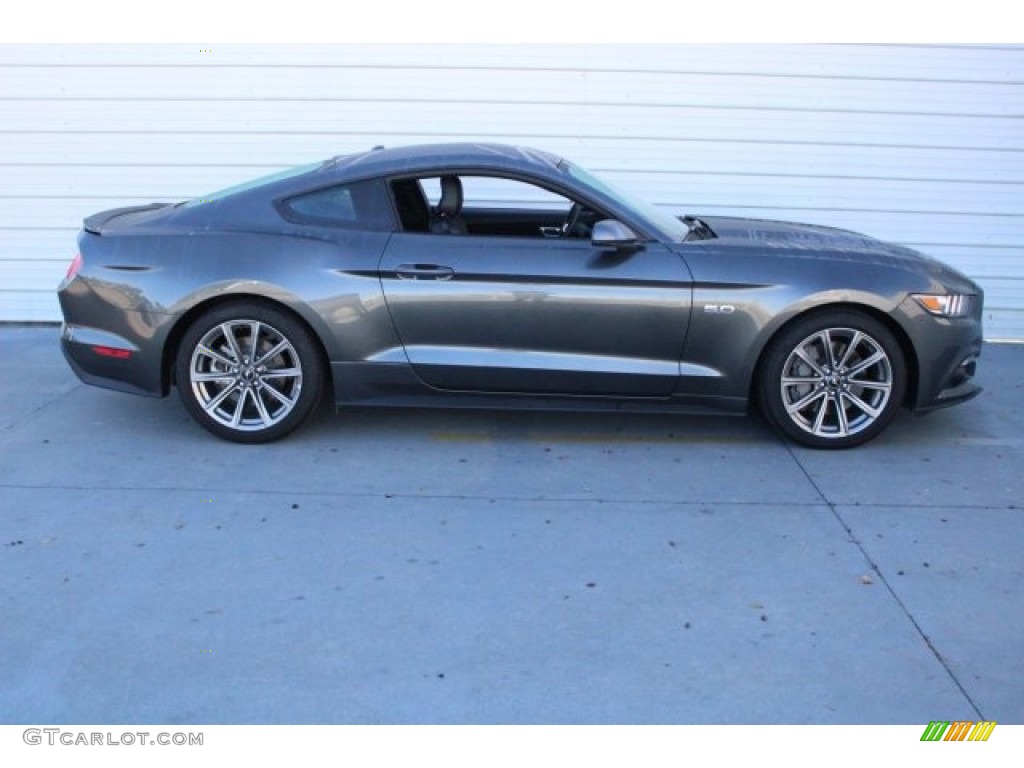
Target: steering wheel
571,220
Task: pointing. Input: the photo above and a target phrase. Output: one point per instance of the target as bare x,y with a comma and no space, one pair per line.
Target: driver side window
494,206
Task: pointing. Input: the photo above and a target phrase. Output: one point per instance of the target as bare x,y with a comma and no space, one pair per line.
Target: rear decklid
122,218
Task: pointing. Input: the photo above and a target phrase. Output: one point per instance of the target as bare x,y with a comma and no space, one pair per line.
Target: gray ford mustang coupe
482,275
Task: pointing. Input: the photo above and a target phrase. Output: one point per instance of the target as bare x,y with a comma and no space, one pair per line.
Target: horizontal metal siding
923,145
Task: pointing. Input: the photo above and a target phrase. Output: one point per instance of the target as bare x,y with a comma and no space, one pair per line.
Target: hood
820,242
785,234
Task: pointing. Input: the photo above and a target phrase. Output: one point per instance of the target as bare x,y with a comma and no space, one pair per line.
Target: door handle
424,272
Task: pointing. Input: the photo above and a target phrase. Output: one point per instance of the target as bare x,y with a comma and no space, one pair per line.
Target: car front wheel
249,373
832,380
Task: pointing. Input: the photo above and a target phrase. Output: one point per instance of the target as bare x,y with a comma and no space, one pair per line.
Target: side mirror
609,233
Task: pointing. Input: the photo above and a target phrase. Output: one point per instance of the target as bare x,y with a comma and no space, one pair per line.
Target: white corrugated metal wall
922,145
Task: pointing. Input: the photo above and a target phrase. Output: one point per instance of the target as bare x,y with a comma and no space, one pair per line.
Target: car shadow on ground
128,417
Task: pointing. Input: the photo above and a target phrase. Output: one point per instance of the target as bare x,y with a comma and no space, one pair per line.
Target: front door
537,315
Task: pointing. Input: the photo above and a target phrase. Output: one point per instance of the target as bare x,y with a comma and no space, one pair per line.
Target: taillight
76,264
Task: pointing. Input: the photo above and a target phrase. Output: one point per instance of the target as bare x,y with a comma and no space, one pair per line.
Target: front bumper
960,386
947,357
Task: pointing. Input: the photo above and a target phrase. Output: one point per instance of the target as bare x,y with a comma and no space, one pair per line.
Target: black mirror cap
609,233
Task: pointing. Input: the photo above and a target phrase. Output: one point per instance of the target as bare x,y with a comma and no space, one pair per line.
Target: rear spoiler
96,222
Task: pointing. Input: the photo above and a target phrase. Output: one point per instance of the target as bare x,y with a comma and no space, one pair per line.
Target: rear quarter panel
143,284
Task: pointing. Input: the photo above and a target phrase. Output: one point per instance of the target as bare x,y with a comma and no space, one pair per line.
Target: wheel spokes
254,340
842,425
277,349
236,415
213,376
262,408
801,404
857,337
826,340
819,418
227,330
803,355
215,355
279,395
836,382
283,373
238,392
212,404
865,364
871,411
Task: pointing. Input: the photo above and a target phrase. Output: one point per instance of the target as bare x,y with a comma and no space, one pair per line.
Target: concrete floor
477,567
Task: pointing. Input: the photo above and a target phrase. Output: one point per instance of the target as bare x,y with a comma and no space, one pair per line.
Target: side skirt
396,385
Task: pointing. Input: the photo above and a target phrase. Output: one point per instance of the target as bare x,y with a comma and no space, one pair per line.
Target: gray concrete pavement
478,567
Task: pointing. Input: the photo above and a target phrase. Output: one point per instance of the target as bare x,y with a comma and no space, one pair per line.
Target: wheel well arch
906,346
181,325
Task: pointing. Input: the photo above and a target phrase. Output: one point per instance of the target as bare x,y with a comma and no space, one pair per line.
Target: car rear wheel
249,373
832,380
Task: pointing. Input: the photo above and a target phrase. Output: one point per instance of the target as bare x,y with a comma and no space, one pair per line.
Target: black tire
833,379
243,391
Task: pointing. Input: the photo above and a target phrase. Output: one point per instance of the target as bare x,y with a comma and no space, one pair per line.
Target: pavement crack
489,497
41,407
883,580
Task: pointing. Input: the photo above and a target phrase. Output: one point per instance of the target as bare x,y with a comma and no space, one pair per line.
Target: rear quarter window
333,204
360,205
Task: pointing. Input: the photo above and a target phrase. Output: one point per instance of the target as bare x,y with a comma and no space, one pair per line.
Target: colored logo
959,730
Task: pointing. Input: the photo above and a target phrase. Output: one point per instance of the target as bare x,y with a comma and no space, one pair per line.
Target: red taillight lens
76,264
117,354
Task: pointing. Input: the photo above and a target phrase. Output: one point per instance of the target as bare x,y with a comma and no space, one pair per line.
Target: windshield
666,223
245,186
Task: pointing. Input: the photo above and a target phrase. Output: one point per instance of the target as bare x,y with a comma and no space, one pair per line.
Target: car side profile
484,275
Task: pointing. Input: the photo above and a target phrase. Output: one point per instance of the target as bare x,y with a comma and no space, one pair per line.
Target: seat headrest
451,196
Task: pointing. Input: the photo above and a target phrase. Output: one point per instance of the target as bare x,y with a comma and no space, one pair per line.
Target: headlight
946,305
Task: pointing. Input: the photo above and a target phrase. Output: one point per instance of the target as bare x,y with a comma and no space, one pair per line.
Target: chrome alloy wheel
245,375
836,382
